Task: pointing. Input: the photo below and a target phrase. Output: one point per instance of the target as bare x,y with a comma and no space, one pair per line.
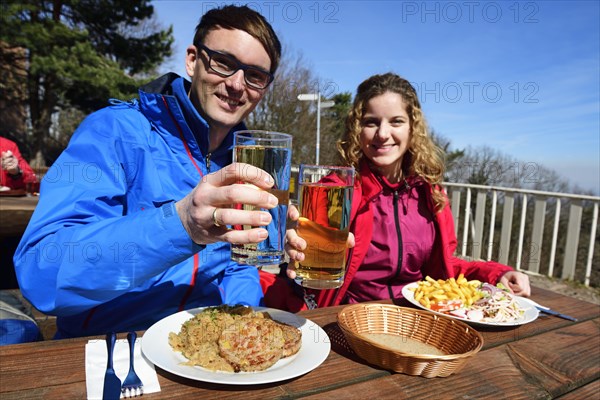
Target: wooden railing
548,242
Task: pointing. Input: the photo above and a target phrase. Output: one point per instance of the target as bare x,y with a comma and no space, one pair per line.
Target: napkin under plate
95,366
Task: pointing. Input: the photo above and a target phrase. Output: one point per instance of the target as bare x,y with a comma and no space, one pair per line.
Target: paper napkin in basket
95,366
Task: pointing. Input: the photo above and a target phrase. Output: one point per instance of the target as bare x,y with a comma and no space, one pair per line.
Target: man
131,224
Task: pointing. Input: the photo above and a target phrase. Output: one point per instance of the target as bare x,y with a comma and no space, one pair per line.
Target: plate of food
236,345
473,302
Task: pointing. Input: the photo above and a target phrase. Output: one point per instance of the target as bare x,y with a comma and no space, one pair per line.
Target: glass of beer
324,203
271,152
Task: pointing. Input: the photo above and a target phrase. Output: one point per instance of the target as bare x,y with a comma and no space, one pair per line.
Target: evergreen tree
76,54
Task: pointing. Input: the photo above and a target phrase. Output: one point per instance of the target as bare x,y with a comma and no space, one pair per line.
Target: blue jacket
105,249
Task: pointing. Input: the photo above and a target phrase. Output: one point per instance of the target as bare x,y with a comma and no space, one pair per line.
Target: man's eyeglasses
226,65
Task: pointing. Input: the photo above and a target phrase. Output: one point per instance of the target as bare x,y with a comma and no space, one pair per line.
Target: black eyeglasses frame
238,65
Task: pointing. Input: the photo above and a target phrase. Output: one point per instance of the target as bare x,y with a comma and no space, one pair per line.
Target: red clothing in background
27,174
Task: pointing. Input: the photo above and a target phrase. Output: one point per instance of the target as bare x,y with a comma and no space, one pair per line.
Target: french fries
433,292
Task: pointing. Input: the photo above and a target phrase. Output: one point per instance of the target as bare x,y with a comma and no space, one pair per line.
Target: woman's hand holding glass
295,245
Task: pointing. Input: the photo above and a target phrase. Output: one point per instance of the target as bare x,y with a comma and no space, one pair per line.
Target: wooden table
548,358
15,213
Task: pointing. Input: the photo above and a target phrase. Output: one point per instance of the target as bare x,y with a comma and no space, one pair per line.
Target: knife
112,384
556,314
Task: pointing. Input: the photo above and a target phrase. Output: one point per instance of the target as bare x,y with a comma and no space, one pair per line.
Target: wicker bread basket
458,340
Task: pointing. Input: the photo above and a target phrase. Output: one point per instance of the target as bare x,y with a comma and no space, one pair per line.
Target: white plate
314,350
531,313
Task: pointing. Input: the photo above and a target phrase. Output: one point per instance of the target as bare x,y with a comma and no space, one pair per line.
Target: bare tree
280,110
487,166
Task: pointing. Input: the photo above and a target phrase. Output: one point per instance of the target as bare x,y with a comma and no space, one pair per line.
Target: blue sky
522,77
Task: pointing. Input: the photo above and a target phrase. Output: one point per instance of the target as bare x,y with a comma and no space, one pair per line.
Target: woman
401,219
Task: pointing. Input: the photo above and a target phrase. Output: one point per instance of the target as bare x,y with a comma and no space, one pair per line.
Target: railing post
554,239
479,220
456,210
575,212
466,223
588,267
521,232
507,219
537,234
492,225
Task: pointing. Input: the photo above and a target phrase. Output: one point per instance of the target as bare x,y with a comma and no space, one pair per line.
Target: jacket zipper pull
399,200
208,162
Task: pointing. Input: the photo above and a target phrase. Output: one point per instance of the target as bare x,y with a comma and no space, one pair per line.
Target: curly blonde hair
423,157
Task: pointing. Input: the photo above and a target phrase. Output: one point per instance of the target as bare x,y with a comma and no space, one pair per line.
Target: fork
536,304
132,385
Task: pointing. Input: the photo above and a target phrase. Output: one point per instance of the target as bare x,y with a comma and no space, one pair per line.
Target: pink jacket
281,293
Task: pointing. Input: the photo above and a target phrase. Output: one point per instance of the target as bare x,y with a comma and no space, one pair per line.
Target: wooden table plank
51,363
563,359
182,388
589,391
61,392
494,377
337,371
15,213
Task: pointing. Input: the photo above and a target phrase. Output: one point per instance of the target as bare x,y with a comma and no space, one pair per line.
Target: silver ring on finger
214,217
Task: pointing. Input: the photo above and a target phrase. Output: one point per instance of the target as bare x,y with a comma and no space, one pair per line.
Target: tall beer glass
324,202
272,152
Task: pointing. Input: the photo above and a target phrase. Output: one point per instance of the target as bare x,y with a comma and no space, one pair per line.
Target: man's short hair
245,19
